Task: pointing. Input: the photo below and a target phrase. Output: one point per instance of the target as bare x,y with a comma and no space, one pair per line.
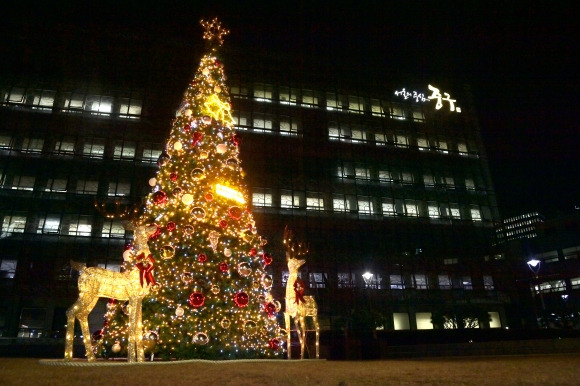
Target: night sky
521,62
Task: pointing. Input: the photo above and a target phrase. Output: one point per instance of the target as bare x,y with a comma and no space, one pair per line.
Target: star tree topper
214,31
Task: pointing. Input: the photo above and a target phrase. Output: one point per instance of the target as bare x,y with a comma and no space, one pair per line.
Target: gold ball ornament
221,148
217,89
215,289
116,347
187,199
267,281
205,71
152,181
203,155
127,255
177,146
188,113
250,327
167,252
200,338
227,252
179,311
225,323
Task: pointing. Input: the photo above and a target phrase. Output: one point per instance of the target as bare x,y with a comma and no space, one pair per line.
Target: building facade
387,182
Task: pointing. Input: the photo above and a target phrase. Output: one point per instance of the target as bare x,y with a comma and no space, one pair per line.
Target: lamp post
534,265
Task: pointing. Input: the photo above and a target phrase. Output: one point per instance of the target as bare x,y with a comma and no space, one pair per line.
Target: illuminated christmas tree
212,298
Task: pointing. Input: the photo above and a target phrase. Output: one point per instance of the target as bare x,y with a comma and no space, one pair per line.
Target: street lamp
534,265
368,278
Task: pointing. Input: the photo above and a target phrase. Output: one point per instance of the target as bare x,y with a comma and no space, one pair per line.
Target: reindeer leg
140,351
288,334
71,315
299,321
317,327
131,350
83,316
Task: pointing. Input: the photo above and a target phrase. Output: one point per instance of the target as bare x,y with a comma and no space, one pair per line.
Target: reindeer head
141,234
294,250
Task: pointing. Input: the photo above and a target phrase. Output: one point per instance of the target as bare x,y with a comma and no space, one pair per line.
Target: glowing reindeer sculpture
131,285
297,305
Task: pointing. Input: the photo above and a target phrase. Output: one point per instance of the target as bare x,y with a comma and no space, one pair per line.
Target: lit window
125,150
442,147
239,92
80,226
130,108
8,268
119,189
462,148
428,180
475,214
401,321
420,281
397,111
357,136
422,144
288,201
376,108
362,173
433,211
401,140
317,280
309,99
314,203
23,183
571,253
444,281
385,176
288,126
346,280
262,123
451,261
488,282
469,184
333,133
32,145
65,147
94,148
49,225
285,276
373,280
455,213
113,228
466,283
365,206
288,96
396,282
380,139
5,142
407,177
99,105
261,199
575,283
332,102
241,120
13,224
418,115
16,95
340,205
56,185
423,320
40,99
263,93
356,104
388,207
449,181
411,208
74,102
151,155
87,187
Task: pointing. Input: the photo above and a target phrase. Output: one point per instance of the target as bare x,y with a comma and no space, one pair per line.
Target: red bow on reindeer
145,266
299,291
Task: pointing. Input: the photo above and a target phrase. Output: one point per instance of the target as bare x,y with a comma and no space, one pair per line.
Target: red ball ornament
208,197
170,226
173,176
253,251
159,197
197,136
235,212
236,139
187,127
223,224
274,344
196,299
241,299
202,258
270,308
224,267
267,259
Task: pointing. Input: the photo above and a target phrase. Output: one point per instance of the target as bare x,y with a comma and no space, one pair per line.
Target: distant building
519,227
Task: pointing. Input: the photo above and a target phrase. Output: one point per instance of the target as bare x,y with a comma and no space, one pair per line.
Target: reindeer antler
294,249
118,210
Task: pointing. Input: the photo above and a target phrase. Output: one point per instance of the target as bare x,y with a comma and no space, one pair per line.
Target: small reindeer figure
131,285
297,305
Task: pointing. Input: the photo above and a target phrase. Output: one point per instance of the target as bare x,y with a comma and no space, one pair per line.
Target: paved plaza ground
499,370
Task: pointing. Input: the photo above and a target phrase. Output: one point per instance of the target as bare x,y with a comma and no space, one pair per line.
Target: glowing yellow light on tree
230,193
217,109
